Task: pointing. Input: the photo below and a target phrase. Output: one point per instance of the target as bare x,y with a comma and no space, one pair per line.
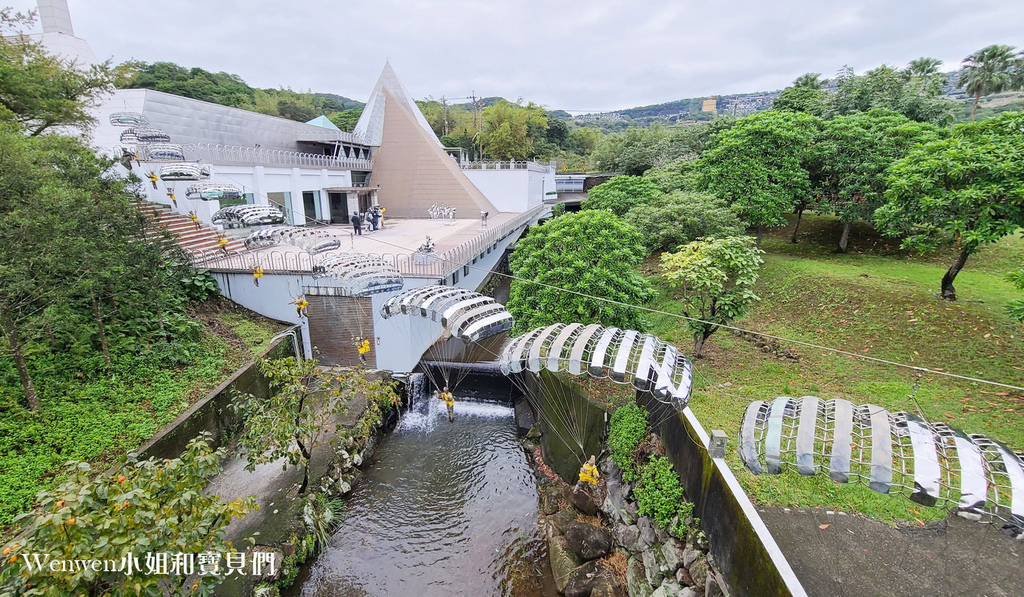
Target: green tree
620,194
680,175
967,189
304,402
587,253
146,507
759,166
909,91
511,130
683,217
715,278
987,71
1016,308
346,120
810,81
805,99
40,91
853,154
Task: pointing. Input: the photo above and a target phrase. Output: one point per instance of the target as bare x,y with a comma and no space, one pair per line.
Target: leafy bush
199,284
679,175
626,430
557,209
658,493
322,516
1016,308
682,217
621,194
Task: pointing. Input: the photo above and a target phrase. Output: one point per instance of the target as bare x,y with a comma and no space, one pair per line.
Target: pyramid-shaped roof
371,123
323,122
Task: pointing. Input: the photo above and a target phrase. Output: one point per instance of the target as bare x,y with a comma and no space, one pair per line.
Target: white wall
514,190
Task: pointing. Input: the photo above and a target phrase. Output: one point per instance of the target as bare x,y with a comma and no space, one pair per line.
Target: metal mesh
891,452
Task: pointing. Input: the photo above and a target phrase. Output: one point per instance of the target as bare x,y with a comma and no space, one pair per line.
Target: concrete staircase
185,232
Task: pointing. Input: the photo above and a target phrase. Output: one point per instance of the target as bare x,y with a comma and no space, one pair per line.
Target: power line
738,329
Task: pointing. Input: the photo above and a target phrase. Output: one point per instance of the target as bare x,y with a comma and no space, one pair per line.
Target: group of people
373,219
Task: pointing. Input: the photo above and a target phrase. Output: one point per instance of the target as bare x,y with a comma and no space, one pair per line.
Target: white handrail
233,154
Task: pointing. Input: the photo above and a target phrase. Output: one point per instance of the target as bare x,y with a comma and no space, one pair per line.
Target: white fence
235,155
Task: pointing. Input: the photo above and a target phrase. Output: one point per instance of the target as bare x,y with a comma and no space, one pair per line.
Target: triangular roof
323,122
412,171
371,123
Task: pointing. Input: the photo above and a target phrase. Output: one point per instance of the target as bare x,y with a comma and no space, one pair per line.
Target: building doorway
311,205
339,208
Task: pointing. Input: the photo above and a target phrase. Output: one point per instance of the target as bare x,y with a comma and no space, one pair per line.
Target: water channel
444,509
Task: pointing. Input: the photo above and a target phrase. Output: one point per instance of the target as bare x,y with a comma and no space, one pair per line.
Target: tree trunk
307,456
19,360
948,292
799,216
103,333
760,234
974,108
698,345
844,238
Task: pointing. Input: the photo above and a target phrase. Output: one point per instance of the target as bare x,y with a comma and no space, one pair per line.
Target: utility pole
444,117
473,97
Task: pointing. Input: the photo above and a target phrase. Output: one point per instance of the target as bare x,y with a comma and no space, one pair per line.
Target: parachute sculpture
467,315
360,275
128,119
160,152
249,215
213,191
931,463
186,171
312,240
625,356
144,135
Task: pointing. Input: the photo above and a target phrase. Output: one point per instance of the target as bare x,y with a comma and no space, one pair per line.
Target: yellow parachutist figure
222,242
449,401
257,273
362,347
300,305
589,474
153,178
195,219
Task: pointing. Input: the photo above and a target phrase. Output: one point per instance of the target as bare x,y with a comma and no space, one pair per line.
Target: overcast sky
578,56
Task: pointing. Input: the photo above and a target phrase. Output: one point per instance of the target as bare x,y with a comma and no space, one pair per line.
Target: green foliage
759,165
41,91
967,189
346,119
621,194
658,493
557,209
914,92
591,252
990,70
627,428
322,516
1016,308
145,507
305,402
809,100
199,284
852,155
511,130
715,278
682,217
680,175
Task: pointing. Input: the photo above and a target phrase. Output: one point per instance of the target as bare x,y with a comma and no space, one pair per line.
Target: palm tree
989,70
811,80
923,67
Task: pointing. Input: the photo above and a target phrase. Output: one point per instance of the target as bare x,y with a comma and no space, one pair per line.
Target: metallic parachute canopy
160,152
891,452
213,191
249,215
312,240
129,119
360,275
144,135
468,315
184,171
647,363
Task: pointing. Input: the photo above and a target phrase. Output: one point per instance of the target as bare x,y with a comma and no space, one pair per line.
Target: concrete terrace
456,243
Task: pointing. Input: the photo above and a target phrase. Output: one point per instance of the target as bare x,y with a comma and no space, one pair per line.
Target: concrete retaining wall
743,548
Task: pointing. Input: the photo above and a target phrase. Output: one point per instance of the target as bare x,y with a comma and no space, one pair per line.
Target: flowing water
444,509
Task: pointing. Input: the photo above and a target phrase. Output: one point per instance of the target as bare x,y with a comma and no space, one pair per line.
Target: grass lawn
876,301
99,420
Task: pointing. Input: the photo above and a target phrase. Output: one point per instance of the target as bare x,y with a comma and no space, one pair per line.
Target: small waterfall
425,410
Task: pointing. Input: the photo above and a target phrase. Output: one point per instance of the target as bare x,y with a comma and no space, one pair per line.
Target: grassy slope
105,418
878,302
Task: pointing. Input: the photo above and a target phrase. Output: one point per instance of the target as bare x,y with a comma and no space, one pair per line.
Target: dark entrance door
339,208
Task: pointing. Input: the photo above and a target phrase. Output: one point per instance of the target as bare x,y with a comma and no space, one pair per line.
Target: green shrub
199,284
621,194
627,429
658,493
682,217
557,209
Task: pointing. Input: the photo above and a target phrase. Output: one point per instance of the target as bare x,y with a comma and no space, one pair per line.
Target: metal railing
504,165
439,265
234,155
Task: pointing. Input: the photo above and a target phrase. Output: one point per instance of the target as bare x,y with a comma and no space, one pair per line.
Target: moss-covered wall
743,549
211,413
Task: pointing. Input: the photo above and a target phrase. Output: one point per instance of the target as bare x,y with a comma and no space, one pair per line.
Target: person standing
357,224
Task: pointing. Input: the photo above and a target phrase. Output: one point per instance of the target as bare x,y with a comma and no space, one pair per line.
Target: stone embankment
600,546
